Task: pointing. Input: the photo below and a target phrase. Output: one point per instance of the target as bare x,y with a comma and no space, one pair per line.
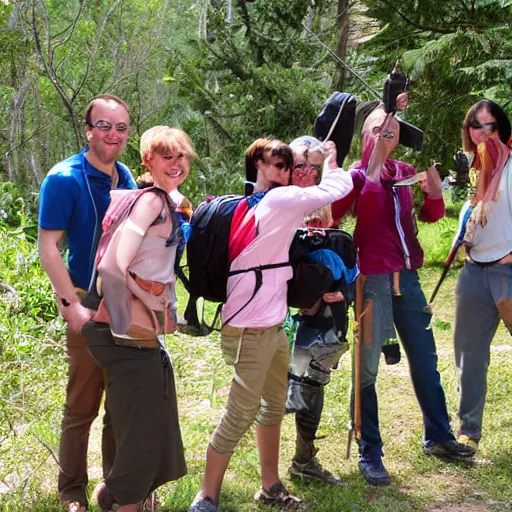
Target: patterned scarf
490,160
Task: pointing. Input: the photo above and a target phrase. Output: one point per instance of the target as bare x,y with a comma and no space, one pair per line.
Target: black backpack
208,260
310,279
207,248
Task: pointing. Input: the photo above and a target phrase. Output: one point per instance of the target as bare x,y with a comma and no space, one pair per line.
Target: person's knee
368,378
74,418
233,425
270,416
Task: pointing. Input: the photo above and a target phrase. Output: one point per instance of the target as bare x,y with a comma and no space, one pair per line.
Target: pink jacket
385,233
277,216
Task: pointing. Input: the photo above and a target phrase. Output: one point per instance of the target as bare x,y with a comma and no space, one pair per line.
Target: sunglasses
306,165
491,126
105,126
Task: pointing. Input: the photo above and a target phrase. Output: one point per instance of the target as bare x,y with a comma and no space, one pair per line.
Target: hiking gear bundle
323,260
311,279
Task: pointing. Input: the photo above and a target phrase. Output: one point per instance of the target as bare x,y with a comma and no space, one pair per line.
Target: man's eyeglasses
491,126
306,165
105,126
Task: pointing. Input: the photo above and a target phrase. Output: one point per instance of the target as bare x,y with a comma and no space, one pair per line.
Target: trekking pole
361,310
457,244
342,62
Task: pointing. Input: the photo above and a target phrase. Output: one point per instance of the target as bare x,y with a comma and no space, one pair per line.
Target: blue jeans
412,324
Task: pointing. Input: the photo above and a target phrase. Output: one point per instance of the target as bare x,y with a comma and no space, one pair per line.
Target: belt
136,343
483,264
153,287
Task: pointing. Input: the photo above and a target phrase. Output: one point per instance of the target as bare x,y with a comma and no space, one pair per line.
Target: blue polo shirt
74,197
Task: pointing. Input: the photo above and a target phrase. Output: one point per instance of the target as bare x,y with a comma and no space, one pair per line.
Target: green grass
32,382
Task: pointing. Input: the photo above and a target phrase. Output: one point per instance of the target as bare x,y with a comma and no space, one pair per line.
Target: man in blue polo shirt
73,200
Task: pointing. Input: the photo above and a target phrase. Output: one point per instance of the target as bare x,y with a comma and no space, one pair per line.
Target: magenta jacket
385,233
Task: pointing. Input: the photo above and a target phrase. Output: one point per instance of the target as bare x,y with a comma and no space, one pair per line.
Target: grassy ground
32,377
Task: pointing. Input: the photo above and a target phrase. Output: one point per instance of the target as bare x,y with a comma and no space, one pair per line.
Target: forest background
227,72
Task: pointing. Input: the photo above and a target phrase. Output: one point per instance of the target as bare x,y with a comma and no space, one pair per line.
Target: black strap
183,278
260,267
259,281
257,285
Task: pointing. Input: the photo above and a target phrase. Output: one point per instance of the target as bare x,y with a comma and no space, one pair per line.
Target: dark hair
259,150
106,97
496,111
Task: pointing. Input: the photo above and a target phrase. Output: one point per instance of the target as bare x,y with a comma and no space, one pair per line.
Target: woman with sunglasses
484,287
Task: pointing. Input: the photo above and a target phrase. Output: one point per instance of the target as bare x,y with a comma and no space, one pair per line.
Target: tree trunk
341,48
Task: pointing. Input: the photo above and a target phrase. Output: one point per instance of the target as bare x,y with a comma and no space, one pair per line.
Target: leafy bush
28,330
18,209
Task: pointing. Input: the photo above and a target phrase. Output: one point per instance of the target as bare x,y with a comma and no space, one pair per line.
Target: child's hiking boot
278,496
313,470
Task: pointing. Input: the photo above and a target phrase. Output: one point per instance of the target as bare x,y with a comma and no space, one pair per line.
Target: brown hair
260,150
502,122
165,140
105,97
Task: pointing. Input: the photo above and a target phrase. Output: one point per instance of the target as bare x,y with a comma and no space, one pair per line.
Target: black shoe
450,450
374,472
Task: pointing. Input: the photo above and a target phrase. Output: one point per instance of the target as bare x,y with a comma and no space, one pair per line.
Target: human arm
144,213
342,206
333,297
385,142
68,303
58,196
115,265
433,205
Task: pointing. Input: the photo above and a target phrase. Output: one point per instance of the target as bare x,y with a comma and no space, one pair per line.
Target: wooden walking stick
362,336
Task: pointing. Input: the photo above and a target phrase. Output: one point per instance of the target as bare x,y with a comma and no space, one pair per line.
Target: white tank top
494,240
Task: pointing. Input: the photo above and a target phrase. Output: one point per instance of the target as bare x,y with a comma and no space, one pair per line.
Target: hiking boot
450,450
313,470
468,441
205,504
374,472
277,496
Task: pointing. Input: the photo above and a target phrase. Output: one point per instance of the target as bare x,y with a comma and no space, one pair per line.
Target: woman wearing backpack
137,280
253,340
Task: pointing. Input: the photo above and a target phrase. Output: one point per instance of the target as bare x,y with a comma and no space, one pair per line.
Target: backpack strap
258,271
259,281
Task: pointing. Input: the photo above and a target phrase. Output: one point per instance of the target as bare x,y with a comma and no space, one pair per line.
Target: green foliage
30,358
456,53
251,76
18,208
